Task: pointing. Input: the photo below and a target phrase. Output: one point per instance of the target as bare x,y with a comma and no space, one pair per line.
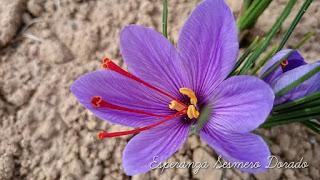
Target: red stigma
284,63
100,135
104,134
108,64
105,63
96,101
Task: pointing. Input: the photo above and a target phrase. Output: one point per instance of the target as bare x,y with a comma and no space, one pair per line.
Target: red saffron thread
108,64
104,134
98,102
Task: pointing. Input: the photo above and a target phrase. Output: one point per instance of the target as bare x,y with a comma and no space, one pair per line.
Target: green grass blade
250,16
264,60
246,5
310,104
269,124
245,54
294,23
313,125
294,114
304,39
298,102
165,19
275,28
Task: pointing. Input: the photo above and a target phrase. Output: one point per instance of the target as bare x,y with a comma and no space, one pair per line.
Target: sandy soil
46,134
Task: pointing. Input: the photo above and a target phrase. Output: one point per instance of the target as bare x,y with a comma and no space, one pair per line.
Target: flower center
192,111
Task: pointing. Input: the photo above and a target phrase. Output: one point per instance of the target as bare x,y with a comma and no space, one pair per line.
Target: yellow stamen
174,105
188,92
192,112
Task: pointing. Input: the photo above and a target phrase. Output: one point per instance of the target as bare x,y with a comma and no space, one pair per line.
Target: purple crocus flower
287,72
167,87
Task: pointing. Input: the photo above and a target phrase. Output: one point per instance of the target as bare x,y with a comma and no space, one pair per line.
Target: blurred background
44,131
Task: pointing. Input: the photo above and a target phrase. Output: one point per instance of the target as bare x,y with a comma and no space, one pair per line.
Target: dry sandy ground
46,134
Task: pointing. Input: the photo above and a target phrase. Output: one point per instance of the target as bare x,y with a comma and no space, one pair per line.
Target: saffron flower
288,71
165,89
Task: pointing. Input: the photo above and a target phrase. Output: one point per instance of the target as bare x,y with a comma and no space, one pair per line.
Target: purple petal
294,60
121,91
150,56
308,87
240,104
208,45
238,147
149,148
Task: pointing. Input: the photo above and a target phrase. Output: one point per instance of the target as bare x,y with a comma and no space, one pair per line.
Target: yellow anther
192,112
174,105
188,92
